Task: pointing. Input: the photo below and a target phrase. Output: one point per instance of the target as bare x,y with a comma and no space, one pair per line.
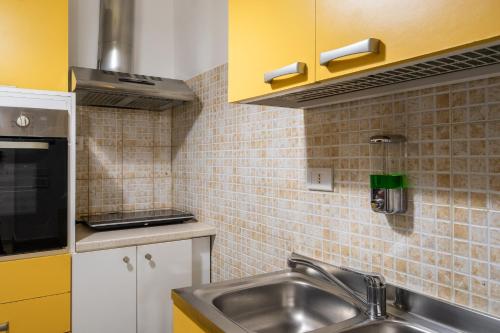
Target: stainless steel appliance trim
23,145
369,45
43,123
295,68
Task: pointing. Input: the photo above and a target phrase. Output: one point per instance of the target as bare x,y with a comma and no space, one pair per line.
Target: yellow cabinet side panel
39,315
34,277
34,44
408,29
266,35
183,324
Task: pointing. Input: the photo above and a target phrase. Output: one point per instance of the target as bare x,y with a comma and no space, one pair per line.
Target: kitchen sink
292,306
386,326
301,300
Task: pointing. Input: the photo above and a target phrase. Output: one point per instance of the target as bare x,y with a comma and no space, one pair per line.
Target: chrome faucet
375,286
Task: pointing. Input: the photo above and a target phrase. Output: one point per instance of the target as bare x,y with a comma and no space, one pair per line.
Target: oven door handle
23,145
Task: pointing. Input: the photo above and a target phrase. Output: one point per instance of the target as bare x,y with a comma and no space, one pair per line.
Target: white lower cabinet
103,291
127,290
162,267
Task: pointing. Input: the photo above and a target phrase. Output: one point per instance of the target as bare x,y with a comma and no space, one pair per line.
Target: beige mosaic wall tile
242,168
123,160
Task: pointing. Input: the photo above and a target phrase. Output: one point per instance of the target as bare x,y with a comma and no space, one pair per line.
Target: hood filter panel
98,99
124,101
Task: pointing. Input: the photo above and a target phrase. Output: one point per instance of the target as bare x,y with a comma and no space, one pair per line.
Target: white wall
153,38
200,36
173,38
83,32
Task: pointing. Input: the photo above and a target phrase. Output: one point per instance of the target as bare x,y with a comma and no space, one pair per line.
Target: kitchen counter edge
88,240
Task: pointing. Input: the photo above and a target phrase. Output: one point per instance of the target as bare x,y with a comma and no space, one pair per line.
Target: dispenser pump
389,184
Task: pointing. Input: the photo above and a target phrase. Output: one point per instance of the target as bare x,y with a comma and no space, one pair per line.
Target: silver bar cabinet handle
4,327
295,68
370,45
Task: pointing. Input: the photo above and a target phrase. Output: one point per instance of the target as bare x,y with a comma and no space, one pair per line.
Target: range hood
130,91
482,60
112,84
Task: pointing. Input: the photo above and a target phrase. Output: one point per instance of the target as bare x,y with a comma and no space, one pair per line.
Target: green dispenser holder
388,190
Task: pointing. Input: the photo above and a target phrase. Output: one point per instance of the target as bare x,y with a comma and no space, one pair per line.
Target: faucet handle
375,295
374,280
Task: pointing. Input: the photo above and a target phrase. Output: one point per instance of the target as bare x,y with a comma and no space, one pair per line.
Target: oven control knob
22,121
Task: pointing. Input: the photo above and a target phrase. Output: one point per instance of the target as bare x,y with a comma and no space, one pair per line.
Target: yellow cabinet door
183,324
265,36
39,315
407,29
34,277
34,44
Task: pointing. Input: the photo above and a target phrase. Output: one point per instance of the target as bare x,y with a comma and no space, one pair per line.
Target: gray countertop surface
91,240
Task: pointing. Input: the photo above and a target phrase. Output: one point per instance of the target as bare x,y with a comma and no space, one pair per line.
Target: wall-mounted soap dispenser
389,185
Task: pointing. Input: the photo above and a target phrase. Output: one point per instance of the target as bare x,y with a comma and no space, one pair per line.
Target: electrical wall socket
320,179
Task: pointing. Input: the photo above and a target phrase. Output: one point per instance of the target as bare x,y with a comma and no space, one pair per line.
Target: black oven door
33,194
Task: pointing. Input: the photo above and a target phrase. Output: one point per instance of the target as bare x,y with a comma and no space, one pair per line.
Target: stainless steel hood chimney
116,35
112,85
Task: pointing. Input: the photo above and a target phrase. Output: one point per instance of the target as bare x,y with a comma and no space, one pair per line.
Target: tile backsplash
123,160
243,169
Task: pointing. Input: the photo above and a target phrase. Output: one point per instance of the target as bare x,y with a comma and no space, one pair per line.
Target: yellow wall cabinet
407,29
34,44
39,315
265,36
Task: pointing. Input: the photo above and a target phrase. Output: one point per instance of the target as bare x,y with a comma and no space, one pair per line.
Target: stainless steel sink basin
386,326
291,306
290,302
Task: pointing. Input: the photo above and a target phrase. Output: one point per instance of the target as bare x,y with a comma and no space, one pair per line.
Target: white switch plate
320,179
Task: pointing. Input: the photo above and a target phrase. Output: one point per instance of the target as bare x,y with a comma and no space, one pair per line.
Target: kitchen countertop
91,240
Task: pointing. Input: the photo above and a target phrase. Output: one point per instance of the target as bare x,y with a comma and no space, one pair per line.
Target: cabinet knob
22,121
126,259
4,327
148,256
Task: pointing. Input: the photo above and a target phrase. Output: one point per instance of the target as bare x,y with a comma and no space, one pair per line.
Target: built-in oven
33,180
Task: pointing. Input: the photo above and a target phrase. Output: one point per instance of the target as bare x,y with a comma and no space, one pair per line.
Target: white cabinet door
161,268
104,291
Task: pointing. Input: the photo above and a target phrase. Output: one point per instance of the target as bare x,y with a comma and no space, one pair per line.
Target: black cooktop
136,219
